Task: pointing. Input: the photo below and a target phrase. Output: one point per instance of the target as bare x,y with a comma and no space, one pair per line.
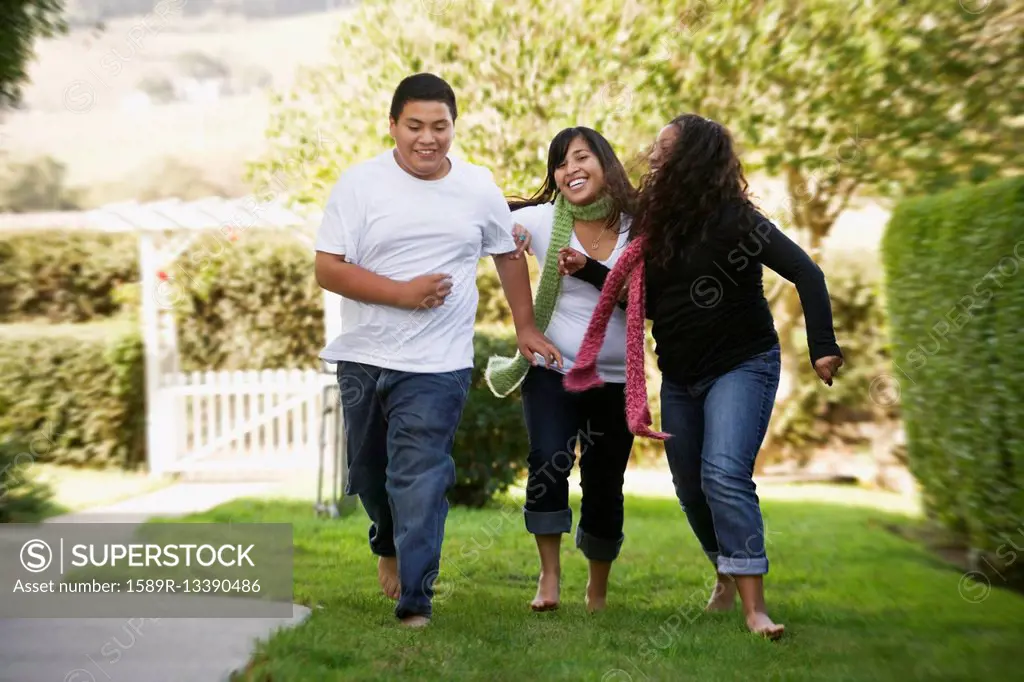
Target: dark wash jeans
717,428
555,421
400,428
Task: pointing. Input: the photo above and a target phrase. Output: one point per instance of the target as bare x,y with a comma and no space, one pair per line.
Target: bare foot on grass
760,624
547,593
387,576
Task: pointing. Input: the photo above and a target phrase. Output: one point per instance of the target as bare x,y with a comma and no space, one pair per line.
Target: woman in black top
716,342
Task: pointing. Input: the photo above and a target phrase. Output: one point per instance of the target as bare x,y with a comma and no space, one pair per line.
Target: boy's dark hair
424,87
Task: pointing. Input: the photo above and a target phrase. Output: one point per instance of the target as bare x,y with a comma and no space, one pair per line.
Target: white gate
244,424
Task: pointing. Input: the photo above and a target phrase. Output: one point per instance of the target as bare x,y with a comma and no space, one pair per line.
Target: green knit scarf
504,374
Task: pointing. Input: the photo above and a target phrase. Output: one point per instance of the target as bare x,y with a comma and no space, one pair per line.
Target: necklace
597,240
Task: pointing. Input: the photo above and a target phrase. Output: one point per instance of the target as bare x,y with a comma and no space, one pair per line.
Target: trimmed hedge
75,393
64,277
250,304
956,302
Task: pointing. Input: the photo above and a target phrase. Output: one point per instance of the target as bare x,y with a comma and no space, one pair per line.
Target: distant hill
118,106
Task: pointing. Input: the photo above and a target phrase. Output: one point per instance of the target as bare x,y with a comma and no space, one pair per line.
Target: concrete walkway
134,649
178,499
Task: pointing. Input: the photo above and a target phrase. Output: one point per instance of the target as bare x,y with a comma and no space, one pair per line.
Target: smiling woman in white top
583,209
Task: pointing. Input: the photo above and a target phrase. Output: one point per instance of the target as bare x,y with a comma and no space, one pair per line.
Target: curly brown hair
681,201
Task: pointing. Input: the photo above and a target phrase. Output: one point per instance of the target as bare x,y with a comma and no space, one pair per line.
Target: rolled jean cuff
742,565
548,523
598,549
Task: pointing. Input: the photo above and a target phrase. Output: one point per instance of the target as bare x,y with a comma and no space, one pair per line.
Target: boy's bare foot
597,599
415,622
760,624
723,597
547,593
387,576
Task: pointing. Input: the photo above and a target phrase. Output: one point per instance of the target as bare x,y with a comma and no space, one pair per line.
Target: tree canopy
836,98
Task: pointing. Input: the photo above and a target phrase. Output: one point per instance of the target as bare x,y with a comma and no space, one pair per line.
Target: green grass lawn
76,490
859,603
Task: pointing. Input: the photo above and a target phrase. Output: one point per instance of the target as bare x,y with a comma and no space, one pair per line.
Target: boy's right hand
425,291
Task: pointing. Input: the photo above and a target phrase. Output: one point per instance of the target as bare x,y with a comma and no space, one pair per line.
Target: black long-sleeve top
708,307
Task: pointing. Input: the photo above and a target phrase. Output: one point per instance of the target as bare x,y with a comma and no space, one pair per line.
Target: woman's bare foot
387,576
415,621
723,597
597,585
760,624
548,547
597,600
751,589
547,592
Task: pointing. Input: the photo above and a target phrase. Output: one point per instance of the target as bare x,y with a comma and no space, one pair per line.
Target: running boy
400,242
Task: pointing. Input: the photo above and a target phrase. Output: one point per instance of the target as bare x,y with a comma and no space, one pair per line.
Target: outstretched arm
786,257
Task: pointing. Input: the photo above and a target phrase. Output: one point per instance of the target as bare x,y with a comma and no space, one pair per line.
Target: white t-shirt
578,299
396,225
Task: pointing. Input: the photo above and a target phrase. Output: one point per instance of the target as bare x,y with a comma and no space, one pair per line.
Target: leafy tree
521,71
23,21
841,98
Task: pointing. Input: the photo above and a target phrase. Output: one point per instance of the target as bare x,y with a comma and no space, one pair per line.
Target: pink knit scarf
584,374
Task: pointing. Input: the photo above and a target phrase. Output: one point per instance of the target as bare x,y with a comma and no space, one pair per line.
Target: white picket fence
246,421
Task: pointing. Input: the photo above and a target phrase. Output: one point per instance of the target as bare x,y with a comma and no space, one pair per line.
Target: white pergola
165,229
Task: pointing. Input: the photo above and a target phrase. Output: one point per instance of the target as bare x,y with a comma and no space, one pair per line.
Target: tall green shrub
955,295
76,393
248,304
64,276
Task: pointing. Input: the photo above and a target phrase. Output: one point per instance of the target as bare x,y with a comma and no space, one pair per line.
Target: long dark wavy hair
700,178
616,180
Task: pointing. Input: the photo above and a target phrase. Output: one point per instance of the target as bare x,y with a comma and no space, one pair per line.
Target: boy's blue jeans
400,428
718,425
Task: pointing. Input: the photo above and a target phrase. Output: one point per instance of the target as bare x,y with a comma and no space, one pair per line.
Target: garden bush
956,300
64,276
75,392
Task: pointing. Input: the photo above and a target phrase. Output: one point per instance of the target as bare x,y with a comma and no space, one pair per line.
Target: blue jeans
400,428
556,420
718,425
